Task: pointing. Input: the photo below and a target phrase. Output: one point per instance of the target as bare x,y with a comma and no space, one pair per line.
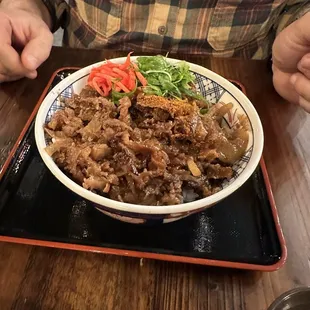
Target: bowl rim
288,295
258,142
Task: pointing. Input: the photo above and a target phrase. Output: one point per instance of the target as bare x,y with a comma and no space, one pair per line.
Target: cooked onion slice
193,168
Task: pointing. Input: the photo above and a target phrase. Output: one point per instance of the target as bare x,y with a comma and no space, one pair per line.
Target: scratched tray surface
35,205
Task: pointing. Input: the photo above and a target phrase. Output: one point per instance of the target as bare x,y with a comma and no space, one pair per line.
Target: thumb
38,48
292,44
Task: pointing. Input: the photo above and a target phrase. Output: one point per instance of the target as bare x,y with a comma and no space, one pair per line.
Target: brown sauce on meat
149,150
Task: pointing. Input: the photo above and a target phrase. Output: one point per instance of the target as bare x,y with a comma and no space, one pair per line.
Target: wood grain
42,278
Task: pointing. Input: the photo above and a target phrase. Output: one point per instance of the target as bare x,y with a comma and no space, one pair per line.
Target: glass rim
288,294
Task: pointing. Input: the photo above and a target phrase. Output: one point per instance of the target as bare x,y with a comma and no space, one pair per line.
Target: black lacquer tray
242,231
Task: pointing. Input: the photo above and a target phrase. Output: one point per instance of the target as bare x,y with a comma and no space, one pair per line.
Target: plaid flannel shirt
226,28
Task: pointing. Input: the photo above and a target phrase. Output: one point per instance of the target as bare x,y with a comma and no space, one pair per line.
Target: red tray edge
148,255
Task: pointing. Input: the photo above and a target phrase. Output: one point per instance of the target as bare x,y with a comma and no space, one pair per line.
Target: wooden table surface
44,278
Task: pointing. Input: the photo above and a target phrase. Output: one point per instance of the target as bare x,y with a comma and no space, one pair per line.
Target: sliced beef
100,151
88,92
149,150
124,115
217,171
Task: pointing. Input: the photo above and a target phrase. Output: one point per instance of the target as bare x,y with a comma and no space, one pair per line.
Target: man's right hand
24,31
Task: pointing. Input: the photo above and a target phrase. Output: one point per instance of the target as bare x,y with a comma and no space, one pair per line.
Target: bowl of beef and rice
148,156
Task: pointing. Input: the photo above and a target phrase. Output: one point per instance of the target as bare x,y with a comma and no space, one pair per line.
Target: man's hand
25,40
291,63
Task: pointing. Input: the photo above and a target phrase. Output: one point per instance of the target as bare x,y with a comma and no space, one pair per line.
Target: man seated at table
220,28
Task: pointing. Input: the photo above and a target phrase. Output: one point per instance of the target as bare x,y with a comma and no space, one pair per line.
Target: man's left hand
291,63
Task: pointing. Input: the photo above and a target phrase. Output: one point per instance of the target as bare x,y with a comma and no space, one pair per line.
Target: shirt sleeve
58,10
292,11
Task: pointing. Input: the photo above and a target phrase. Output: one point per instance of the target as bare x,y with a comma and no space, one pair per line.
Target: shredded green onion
167,80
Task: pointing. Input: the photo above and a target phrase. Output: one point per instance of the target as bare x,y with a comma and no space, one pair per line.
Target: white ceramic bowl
215,88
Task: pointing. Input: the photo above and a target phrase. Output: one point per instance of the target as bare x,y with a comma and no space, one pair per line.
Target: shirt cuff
292,14
58,10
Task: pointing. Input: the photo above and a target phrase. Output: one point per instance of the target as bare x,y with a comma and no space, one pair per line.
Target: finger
9,78
304,65
283,86
12,73
301,85
305,104
38,48
10,62
32,75
6,78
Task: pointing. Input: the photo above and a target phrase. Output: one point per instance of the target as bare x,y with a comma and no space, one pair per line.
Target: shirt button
162,30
